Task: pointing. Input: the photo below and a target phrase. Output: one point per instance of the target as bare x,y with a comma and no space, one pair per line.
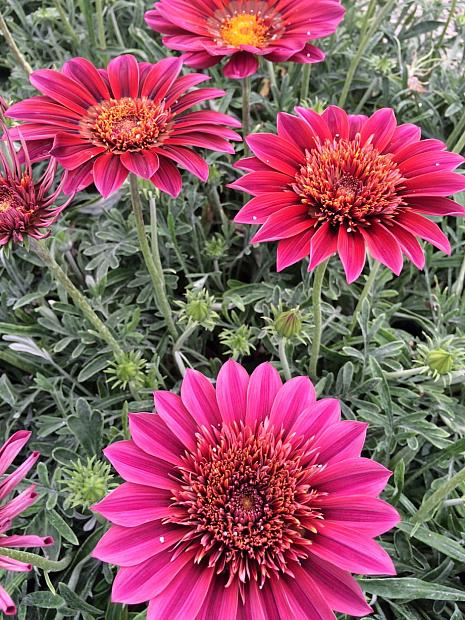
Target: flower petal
264,385
231,392
294,396
134,504
199,397
137,466
123,75
108,174
152,435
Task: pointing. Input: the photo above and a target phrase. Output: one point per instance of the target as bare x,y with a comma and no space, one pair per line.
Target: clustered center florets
245,30
349,185
245,499
126,124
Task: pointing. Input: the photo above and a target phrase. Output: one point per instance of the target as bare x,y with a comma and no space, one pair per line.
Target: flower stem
365,37
178,357
14,49
305,82
246,89
78,298
100,25
152,260
366,291
283,358
273,83
317,318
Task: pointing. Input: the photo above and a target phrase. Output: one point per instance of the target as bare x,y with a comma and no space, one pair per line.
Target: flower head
127,369
278,30
14,507
249,500
86,482
132,117
27,205
338,183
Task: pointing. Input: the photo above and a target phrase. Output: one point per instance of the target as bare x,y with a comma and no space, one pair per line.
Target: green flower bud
198,308
237,341
127,369
440,361
288,324
86,483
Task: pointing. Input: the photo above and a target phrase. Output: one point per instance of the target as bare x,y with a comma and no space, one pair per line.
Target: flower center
245,30
349,185
126,124
9,199
246,499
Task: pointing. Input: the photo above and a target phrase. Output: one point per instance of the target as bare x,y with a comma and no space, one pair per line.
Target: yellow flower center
245,30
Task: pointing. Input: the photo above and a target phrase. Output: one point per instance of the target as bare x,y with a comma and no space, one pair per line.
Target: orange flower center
8,200
245,30
348,184
126,124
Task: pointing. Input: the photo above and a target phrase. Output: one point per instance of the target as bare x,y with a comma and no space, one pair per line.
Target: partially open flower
341,183
132,117
250,500
14,507
27,206
243,31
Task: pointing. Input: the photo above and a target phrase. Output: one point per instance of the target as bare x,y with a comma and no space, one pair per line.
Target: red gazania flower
250,500
337,183
132,117
14,507
27,206
278,30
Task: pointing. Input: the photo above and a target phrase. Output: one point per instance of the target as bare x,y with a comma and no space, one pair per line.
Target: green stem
365,38
317,316
366,291
152,261
453,6
246,89
66,23
458,287
456,136
405,374
78,298
36,560
100,25
273,82
305,82
14,49
283,358
178,346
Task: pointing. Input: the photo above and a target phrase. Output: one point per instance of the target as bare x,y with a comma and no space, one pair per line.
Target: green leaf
431,504
441,543
43,599
62,527
73,601
409,588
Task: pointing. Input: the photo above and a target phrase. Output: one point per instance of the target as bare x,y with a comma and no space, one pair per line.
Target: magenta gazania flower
340,183
250,500
27,206
132,117
14,507
244,30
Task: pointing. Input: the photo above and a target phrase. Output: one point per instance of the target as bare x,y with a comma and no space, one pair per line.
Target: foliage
59,380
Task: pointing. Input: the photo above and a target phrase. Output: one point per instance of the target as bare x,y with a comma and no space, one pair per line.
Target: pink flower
244,30
132,117
14,507
26,205
249,500
337,183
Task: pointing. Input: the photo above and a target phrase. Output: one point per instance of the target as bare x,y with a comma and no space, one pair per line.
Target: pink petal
309,54
185,596
171,410
123,74
160,78
128,546
63,89
72,151
316,122
364,514
433,205
231,391
320,415
351,550
353,476
300,599
10,482
264,385
379,129
409,245
338,122
257,183
220,603
195,97
187,159
287,222
134,504
424,228
109,174
293,249
152,435
295,395
7,605
168,178
259,209
383,246
199,398
78,179
340,441
434,184
136,584
427,163
18,542
137,466
322,245
241,65
84,72
276,152
11,448
338,587
143,164
351,249
403,135
296,130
